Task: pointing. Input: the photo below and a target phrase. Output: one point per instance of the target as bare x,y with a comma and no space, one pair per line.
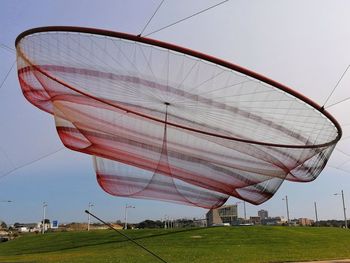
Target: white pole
126,215
346,222
125,218
344,208
316,213
89,218
286,199
43,222
245,213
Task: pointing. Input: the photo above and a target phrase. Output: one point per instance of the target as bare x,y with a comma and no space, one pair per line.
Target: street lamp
126,215
286,199
89,218
344,208
43,224
245,213
165,222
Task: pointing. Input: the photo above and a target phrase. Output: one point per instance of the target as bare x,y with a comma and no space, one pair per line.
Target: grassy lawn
218,244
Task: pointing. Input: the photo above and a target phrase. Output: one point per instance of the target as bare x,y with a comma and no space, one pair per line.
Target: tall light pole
43,224
286,199
244,209
126,215
344,208
89,218
316,213
245,212
165,222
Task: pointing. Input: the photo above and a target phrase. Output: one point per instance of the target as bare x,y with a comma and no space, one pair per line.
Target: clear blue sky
303,44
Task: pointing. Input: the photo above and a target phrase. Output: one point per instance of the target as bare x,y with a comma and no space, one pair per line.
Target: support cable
188,17
6,47
7,74
338,102
126,236
149,21
335,88
31,162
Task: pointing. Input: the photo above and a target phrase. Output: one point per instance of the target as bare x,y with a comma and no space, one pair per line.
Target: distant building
305,222
199,222
256,220
226,214
27,227
274,221
263,214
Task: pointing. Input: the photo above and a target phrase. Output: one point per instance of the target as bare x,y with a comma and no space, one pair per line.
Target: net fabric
166,125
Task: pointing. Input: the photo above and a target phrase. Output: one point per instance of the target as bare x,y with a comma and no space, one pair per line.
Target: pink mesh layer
167,125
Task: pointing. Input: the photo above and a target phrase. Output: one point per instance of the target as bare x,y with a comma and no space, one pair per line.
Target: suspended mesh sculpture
168,123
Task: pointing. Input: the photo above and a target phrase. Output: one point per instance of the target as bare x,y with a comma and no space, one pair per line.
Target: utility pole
126,215
316,213
286,199
245,213
344,208
44,211
89,218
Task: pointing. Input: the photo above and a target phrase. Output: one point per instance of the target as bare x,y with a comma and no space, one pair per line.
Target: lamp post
165,222
44,211
344,208
286,199
316,213
245,213
89,218
244,209
126,215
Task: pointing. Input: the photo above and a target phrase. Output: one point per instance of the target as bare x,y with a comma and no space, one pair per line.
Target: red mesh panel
168,123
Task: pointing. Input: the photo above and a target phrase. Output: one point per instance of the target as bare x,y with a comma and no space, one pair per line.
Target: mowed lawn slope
216,244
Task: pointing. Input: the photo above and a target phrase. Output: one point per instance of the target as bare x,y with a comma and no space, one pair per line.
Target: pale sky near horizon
302,44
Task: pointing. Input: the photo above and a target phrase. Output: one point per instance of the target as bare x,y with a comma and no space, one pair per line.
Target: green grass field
217,244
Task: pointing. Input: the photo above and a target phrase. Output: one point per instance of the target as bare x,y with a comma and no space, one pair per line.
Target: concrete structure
255,220
227,214
263,214
274,221
305,222
27,227
200,222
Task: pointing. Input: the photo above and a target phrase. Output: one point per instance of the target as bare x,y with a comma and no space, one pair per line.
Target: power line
126,236
7,74
144,28
188,17
336,85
